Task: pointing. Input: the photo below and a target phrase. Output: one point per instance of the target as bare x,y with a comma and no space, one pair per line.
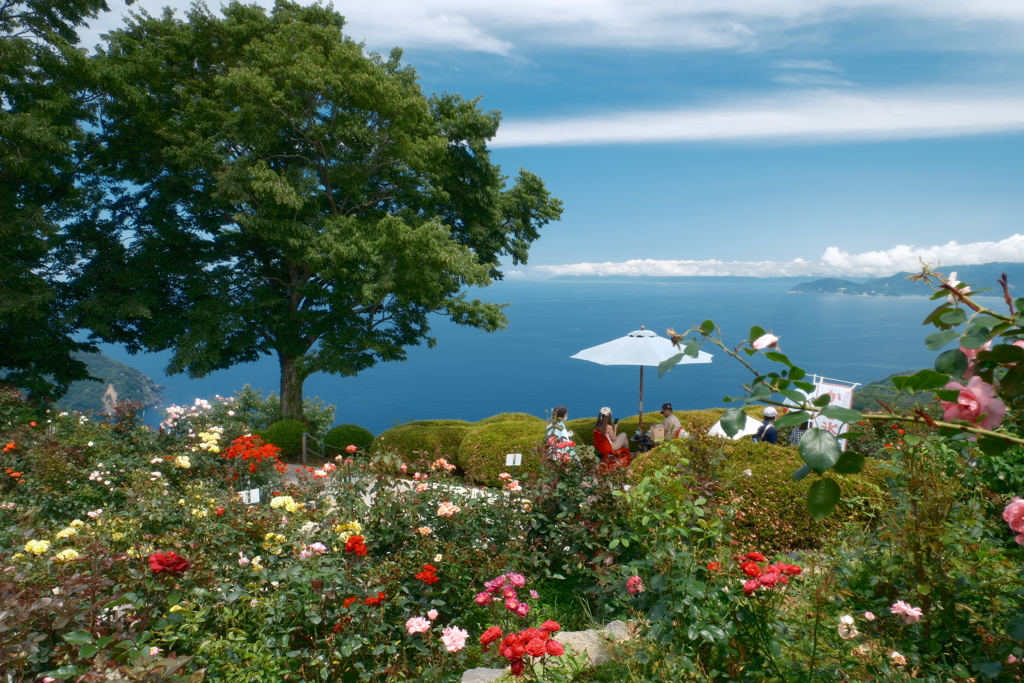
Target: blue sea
472,374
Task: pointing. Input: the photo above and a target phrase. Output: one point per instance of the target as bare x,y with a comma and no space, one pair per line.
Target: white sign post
513,459
250,497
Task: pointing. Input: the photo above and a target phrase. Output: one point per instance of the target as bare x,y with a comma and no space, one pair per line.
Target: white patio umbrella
641,347
749,429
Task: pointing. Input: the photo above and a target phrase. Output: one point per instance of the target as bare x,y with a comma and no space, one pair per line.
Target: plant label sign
513,459
250,497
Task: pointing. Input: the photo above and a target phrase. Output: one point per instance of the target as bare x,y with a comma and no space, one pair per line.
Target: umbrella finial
642,327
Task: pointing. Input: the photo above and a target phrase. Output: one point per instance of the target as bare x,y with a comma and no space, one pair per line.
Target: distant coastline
980,276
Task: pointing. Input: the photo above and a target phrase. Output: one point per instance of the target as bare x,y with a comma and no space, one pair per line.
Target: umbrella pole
640,421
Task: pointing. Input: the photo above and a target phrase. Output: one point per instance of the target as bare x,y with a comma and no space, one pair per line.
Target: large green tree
288,193
44,106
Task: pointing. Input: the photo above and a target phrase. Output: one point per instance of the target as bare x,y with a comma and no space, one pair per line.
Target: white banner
842,396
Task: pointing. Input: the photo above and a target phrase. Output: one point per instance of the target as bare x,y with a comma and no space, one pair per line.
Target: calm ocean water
471,374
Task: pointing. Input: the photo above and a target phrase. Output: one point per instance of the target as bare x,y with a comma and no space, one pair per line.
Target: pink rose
976,404
972,358
483,599
635,585
517,580
534,595
417,625
765,341
432,614
1013,513
869,616
909,614
751,585
318,548
523,609
351,448
454,638
511,604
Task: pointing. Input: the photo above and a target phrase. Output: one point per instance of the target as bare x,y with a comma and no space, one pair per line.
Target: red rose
375,600
517,666
220,510
769,580
750,586
349,601
755,556
551,626
555,648
518,650
168,563
355,544
351,448
714,566
751,568
536,648
491,635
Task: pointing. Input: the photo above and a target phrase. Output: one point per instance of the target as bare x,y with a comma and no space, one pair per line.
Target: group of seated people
670,428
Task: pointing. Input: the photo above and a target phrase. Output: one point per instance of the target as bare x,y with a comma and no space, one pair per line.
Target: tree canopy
44,101
287,193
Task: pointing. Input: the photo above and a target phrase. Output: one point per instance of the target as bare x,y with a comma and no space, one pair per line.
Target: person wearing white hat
767,432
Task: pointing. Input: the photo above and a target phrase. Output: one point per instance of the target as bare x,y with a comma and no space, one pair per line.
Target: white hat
606,411
770,412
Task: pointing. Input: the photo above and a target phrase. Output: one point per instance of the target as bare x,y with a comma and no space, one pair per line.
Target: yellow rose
183,462
37,547
66,555
67,532
197,512
177,608
17,556
281,501
77,524
117,535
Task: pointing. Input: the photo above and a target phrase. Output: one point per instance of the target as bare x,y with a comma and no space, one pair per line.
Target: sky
735,137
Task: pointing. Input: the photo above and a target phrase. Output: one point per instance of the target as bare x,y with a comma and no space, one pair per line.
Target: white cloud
819,115
499,25
810,79
811,64
833,263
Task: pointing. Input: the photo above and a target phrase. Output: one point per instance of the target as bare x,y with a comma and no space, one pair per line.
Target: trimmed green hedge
437,423
418,441
342,436
510,417
286,435
770,513
483,450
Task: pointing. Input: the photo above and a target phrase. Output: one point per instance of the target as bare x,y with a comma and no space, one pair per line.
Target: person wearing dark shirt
797,434
766,432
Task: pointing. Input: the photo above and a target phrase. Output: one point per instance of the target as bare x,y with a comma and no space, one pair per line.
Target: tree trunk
291,389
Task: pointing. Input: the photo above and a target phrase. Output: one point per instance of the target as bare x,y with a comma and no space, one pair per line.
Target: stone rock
589,642
618,630
482,675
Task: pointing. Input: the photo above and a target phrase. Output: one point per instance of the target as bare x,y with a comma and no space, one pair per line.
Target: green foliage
864,398
509,417
359,208
764,514
348,435
483,450
423,440
44,104
258,412
286,435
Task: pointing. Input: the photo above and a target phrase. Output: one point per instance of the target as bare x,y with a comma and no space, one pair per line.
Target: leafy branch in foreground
989,354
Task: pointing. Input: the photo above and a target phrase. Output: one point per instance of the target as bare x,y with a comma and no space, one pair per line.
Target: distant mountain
120,382
984,275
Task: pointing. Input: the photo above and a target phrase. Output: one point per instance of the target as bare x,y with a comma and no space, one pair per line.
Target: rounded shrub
420,440
438,423
483,450
769,509
286,435
342,436
510,417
